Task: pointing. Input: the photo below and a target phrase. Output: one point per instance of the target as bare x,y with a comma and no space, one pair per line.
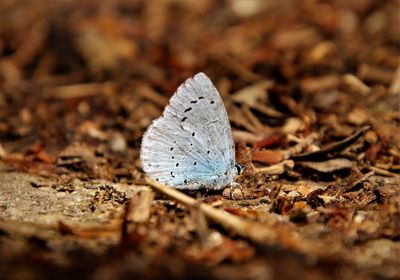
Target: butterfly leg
234,186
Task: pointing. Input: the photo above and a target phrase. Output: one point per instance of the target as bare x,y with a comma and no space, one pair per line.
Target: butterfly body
191,145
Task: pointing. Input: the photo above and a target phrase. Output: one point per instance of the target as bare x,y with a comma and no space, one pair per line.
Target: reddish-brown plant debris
312,92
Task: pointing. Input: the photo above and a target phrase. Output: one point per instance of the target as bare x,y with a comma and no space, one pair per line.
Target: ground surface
312,92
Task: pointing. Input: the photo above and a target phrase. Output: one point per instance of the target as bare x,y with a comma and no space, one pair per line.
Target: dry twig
333,148
252,230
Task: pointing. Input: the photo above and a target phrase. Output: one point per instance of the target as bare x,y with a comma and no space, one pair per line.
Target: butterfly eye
239,168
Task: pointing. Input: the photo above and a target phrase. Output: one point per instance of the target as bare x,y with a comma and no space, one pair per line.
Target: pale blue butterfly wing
191,145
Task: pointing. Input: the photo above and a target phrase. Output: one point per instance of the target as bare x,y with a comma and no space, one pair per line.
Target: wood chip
355,84
327,166
139,206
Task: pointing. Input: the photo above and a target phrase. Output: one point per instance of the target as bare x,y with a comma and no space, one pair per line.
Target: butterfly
191,146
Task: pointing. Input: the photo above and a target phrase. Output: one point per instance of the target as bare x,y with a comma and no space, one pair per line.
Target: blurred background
108,58
81,80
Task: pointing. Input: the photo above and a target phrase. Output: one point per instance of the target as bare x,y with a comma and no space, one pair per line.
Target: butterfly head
239,169
231,173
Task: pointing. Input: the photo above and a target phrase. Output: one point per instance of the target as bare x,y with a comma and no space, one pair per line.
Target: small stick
322,83
267,111
375,74
240,120
395,84
334,147
233,65
252,230
355,84
241,136
292,152
359,181
151,95
74,91
383,172
24,229
139,206
276,169
137,211
252,118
